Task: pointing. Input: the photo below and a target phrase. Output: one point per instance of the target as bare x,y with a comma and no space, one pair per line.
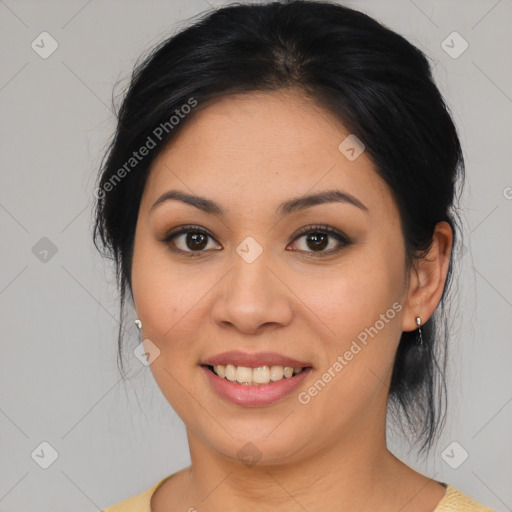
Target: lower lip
255,396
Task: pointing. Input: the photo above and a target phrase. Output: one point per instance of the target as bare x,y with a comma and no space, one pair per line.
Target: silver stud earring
138,323
419,338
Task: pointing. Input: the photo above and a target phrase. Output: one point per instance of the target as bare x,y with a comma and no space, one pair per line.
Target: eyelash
316,229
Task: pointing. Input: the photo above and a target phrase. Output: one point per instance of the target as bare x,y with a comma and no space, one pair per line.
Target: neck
351,471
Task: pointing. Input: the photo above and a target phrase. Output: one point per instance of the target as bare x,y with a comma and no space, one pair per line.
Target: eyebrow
292,205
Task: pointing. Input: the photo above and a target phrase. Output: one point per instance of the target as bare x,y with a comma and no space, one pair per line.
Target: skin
249,153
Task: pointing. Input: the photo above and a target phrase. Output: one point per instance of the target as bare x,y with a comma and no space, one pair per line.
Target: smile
260,375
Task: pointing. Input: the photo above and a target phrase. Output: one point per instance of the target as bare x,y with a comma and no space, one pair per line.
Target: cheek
361,307
157,296
170,300
353,296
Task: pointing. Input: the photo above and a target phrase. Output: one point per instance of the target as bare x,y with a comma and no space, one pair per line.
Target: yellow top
453,501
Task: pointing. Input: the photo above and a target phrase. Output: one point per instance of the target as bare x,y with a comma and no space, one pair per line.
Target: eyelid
183,229
319,228
178,230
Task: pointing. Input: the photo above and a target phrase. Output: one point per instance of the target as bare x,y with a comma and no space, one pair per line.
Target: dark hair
377,84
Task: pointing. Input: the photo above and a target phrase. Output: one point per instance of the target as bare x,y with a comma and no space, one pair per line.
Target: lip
255,396
238,358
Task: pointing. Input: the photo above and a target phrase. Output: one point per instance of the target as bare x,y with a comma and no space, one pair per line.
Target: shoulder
140,502
455,500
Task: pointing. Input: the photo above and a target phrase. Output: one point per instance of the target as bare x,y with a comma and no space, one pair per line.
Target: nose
253,297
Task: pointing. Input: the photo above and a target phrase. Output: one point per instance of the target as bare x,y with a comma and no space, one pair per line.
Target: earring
419,339
138,323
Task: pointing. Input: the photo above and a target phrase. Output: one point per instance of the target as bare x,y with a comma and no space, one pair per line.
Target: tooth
254,376
276,373
287,371
230,372
261,375
243,374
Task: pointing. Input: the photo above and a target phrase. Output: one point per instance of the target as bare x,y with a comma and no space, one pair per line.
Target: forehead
259,148
283,121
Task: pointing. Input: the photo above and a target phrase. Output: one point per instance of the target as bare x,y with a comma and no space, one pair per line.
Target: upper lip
238,358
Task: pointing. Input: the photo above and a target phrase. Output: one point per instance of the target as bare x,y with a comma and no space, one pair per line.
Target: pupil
319,244
194,239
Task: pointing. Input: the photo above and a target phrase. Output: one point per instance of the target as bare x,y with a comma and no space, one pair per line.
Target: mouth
254,379
255,376
254,369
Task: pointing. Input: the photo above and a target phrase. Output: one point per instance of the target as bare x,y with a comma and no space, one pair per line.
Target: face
315,285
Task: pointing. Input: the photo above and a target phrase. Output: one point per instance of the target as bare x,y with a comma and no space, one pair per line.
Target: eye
192,239
317,239
188,239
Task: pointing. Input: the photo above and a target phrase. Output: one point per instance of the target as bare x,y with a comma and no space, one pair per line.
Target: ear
428,278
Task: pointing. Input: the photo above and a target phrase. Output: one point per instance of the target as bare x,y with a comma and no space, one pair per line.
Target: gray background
58,376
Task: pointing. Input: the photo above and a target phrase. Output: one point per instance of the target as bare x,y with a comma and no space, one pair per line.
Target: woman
278,201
